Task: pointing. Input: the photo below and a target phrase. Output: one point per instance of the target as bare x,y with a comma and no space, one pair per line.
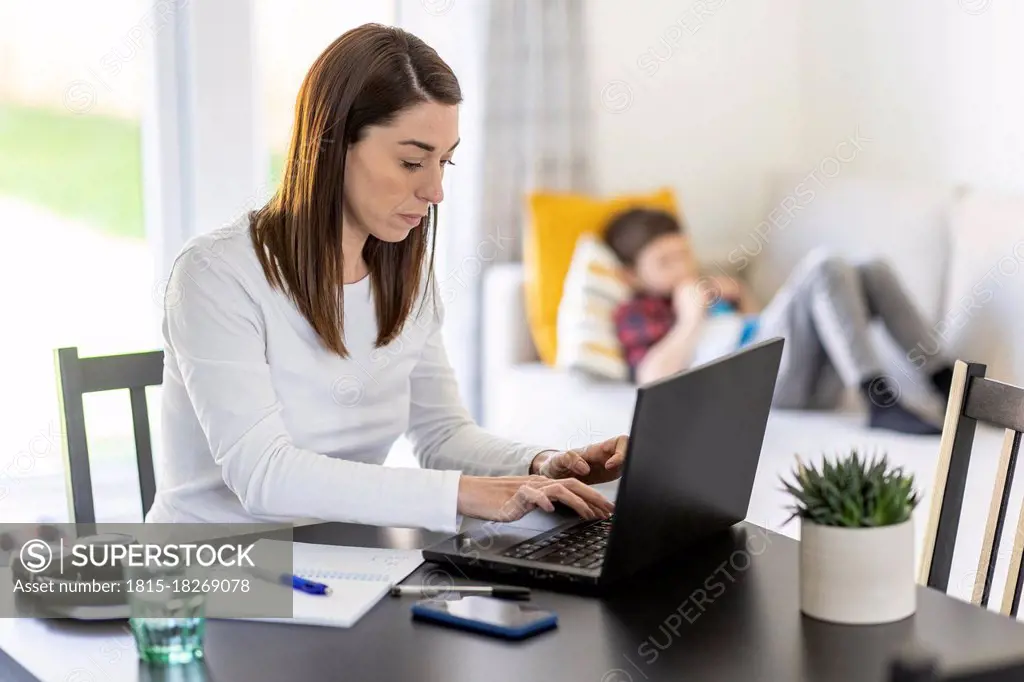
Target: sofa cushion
560,408
556,222
860,217
983,316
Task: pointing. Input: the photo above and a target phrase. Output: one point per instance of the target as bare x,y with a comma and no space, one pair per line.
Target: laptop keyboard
581,546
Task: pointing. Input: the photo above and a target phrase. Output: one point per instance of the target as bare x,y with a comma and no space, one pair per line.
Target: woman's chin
392,232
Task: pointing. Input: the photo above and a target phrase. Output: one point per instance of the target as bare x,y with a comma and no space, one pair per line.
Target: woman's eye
409,165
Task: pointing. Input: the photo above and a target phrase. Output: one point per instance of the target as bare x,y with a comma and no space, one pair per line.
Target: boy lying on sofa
678,318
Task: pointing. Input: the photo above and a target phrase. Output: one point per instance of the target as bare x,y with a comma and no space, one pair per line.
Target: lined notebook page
359,577
354,563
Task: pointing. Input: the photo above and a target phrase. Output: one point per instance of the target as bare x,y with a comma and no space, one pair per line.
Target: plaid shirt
645,320
640,323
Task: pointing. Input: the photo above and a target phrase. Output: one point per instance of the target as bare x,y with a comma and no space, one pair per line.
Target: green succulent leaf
853,491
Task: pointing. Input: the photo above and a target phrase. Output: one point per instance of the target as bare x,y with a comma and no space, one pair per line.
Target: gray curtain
535,113
521,64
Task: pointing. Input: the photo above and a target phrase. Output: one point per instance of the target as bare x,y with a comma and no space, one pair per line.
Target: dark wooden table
728,610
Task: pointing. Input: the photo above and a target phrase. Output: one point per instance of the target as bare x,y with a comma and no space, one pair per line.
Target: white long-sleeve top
261,424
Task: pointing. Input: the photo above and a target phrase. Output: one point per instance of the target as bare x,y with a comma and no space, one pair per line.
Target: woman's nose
432,192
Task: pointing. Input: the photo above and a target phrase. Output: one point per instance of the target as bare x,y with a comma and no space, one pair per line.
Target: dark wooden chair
975,398
926,669
77,376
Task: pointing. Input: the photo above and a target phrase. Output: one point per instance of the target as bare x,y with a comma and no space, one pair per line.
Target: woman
303,339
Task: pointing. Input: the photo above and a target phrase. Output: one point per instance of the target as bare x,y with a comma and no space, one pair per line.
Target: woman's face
394,173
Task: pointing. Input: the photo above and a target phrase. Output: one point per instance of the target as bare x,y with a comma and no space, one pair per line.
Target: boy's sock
942,380
886,412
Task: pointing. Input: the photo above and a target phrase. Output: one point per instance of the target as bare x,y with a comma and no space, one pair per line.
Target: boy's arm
736,290
653,352
748,304
673,353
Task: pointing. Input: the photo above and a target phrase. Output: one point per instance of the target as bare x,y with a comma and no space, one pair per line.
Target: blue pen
308,586
297,583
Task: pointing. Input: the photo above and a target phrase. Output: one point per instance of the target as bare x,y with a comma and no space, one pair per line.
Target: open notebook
359,577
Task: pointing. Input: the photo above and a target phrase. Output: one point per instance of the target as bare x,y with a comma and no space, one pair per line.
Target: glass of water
167,617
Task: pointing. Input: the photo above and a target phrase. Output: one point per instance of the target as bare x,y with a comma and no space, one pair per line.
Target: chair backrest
975,398
77,376
926,669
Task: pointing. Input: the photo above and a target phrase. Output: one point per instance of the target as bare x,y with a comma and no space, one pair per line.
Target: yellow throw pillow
556,222
593,290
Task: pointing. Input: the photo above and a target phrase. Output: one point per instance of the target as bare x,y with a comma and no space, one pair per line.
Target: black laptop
694,447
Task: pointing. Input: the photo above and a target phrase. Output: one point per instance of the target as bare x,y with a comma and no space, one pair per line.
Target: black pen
496,591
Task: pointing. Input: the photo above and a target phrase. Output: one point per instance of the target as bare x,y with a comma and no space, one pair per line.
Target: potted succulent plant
856,539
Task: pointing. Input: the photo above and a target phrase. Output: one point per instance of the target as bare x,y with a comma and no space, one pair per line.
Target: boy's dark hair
630,231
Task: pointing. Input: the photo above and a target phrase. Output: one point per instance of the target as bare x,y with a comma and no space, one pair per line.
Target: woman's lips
413,220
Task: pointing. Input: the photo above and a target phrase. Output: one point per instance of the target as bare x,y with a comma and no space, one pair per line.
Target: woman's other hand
592,464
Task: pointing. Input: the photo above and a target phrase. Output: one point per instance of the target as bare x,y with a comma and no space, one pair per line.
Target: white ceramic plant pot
857,575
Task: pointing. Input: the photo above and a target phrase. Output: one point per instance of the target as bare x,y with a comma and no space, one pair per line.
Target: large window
87,101
77,269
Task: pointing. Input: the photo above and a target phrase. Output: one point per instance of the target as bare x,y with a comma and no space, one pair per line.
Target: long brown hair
365,77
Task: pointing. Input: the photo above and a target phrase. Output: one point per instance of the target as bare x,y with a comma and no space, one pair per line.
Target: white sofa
945,244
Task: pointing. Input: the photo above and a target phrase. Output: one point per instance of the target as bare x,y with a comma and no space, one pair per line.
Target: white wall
934,84
699,95
709,96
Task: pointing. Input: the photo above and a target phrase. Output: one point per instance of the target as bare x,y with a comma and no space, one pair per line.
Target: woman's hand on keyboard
509,498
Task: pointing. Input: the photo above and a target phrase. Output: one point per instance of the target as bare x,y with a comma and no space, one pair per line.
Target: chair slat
143,447
131,370
1014,576
996,403
75,447
950,481
996,517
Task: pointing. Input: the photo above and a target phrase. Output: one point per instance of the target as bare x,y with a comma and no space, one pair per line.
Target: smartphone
487,615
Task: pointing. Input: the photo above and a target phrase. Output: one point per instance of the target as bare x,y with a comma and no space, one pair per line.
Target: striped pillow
593,289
